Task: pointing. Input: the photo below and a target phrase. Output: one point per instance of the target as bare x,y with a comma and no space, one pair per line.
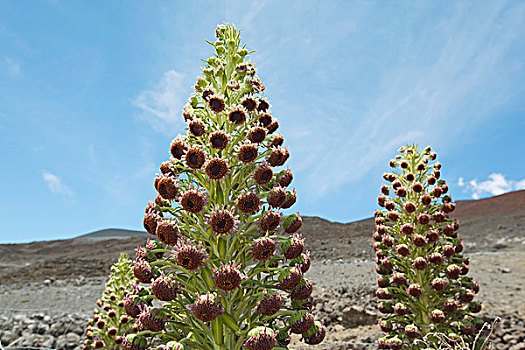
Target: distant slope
486,224
111,233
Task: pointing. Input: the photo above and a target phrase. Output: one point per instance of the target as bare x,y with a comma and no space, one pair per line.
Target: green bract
230,263
110,322
423,281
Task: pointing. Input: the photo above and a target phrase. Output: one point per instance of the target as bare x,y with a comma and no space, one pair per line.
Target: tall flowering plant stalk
228,271
423,283
110,323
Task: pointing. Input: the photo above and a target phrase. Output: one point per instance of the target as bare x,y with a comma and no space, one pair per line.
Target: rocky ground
53,313
48,289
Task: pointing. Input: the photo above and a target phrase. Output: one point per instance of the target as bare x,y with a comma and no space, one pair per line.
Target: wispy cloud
55,185
162,105
495,185
425,95
13,66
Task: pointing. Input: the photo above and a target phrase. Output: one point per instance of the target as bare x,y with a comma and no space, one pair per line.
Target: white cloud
55,185
162,105
495,185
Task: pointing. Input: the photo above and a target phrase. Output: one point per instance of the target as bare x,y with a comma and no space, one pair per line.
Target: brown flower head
419,240
247,153
131,307
248,203
270,304
294,224
426,199
222,221
293,247
277,140
263,248
167,187
291,197
449,207
207,93
407,229
227,277
399,279
302,291
274,125
207,307
265,120
196,127
249,103
402,249
401,192
161,202
188,256
263,105
195,158
260,338
409,207
167,168
276,196
237,115
303,324
178,147
150,222
437,316
393,215
286,178
318,336
439,284
390,205
263,174
257,134
151,319
218,140
420,263
142,271
164,288
417,187
453,271
278,156
216,103
270,221
415,290
167,231
449,250
193,200
187,112
423,219
291,279
216,168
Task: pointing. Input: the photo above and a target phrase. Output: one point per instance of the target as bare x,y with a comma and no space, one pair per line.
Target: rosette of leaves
230,270
423,283
110,323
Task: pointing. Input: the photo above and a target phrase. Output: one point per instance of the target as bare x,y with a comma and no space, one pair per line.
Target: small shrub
110,322
423,283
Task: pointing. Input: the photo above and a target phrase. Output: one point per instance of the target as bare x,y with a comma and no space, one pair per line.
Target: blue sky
91,94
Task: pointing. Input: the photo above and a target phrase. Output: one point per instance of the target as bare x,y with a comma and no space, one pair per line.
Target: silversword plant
228,271
423,283
110,323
